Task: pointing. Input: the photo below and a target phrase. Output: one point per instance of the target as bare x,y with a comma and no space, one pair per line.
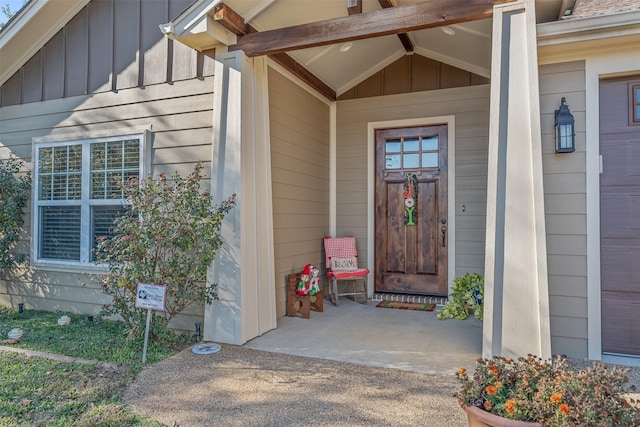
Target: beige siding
470,106
180,116
300,177
566,211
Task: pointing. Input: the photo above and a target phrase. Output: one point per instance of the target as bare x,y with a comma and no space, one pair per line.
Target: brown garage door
620,215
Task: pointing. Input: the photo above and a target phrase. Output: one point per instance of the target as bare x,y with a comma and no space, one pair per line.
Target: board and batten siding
470,106
565,202
108,45
299,124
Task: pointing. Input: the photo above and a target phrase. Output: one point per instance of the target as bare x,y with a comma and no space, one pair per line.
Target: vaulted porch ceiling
342,45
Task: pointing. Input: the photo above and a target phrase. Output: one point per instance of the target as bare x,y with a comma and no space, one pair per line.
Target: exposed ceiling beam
235,23
393,20
231,20
303,74
404,37
354,6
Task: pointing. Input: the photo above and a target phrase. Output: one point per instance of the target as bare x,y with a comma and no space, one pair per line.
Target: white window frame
143,135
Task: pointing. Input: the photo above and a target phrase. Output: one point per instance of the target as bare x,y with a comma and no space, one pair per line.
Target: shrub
466,296
15,189
169,236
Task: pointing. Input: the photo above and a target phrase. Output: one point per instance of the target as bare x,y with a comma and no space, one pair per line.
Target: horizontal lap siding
470,106
566,210
299,125
180,116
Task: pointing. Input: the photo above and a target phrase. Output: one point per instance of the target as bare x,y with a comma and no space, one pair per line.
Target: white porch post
516,320
241,164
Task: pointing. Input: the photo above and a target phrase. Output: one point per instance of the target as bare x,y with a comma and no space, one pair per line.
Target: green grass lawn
41,392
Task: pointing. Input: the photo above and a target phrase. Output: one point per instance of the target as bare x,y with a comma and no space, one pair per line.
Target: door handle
444,234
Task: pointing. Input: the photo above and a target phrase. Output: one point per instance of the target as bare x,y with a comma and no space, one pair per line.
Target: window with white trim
78,194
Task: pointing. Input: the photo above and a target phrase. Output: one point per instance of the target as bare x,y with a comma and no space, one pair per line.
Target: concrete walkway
389,338
330,370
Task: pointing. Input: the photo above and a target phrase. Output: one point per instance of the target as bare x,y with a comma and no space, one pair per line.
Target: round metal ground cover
206,348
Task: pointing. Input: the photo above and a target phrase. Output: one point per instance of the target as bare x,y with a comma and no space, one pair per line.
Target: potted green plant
530,391
466,297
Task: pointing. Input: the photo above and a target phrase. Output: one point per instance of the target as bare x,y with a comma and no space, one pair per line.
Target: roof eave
196,28
590,28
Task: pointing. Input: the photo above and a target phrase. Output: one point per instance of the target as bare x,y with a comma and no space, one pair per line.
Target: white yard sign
151,296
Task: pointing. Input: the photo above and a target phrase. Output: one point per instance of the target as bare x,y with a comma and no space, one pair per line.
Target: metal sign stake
146,336
151,297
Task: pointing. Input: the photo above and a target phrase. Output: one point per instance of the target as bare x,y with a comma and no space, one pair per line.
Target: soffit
469,48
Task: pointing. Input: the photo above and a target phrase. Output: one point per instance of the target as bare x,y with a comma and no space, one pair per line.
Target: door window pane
392,161
429,160
412,144
430,143
411,161
392,146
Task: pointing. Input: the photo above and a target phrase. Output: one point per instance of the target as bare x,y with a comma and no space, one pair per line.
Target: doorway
411,210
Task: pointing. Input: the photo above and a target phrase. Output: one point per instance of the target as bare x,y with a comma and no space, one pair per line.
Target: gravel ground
243,387
239,386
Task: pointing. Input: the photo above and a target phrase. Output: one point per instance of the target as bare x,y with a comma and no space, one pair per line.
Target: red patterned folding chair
342,266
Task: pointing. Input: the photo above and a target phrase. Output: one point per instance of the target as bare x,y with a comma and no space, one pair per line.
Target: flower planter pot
480,418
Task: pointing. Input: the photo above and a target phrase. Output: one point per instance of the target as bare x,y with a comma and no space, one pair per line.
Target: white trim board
596,68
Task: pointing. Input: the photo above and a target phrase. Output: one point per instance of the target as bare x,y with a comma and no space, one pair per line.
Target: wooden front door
619,215
411,223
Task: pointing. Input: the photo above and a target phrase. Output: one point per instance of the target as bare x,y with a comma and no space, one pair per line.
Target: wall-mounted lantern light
565,135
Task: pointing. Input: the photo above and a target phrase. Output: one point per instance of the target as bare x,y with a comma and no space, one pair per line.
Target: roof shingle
586,8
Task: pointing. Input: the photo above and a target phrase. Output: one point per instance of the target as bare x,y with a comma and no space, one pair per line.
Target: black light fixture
565,134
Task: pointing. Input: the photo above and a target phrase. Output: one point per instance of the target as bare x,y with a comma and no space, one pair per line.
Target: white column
516,320
241,164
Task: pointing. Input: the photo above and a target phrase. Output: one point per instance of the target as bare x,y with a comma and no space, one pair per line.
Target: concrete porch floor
382,337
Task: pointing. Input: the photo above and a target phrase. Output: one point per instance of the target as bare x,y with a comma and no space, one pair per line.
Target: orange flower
493,370
462,371
556,397
487,405
510,406
498,384
491,389
564,408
